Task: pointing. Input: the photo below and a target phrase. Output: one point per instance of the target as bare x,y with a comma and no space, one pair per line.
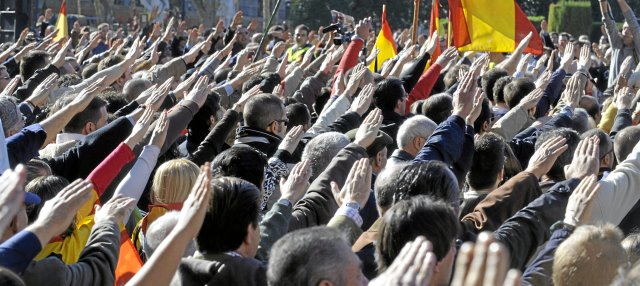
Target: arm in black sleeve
410,76
212,145
346,122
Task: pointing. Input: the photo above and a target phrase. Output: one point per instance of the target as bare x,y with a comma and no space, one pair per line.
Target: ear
606,160
485,127
378,161
417,142
212,120
88,128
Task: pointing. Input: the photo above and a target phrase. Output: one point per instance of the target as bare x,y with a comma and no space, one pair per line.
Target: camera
342,33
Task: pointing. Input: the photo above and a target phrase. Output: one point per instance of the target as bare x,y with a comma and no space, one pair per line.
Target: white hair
418,125
159,230
321,150
634,80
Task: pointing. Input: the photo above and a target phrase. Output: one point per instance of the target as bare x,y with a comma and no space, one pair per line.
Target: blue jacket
445,144
17,252
551,94
24,146
539,271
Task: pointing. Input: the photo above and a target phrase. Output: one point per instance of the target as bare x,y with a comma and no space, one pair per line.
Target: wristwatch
353,205
285,202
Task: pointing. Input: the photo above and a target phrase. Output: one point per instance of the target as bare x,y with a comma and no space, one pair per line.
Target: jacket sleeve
422,90
551,93
410,76
318,205
179,117
80,160
618,191
346,122
310,89
445,144
102,176
175,68
632,21
511,123
615,39
622,121
608,117
347,226
273,226
271,65
135,181
503,202
24,146
539,272
18,251
292,81
349,59
23,92
213,143
523,233
95,267
329,115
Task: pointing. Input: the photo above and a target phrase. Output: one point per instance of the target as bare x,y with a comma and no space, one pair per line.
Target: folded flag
384,43
61,24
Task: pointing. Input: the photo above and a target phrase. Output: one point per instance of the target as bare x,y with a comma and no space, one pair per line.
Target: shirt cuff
228,89
567,110
131,120
350,213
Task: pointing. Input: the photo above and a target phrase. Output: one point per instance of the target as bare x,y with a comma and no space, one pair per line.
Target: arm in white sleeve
339,107
133,184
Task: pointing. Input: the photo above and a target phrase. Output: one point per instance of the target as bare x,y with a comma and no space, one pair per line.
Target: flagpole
414,32
266,30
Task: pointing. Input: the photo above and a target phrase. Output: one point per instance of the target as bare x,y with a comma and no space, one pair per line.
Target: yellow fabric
69,248
296,55
609,116
384,43
141,227
61,25
491,25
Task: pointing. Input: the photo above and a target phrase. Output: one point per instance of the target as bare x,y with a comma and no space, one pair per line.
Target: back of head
557,170
270,81
484,117
498,88
309,256
516,90
387,94
489,79
134,87
158,232
321,149
251,82
234,206
110,61
590,104
9,278
46,188
9,113
431,178
590,256
37,168
115,100
631,245
416,126
625,141
605,145
438,107
261,110
89,70
408,219
173,181
580,120
32,62
241,162
488,161
385,185
298,114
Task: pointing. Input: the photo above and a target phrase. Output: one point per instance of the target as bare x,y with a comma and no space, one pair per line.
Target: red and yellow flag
61,24
384,43
475,26
434,24
129,262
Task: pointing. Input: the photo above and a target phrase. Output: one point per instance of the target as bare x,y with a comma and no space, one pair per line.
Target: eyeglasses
5,77
285,121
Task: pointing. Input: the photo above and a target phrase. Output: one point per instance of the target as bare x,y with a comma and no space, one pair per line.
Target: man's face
562,42
627,36
48,14
445,267
4,77
301,37
243,36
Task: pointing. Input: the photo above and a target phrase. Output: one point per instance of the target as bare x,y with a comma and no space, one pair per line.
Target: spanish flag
491,25
434,24
61,25
384,43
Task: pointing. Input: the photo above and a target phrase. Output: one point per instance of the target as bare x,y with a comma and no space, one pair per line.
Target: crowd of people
218,161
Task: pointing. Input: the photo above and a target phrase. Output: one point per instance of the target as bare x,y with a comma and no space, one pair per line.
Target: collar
247,134
66,137
402,155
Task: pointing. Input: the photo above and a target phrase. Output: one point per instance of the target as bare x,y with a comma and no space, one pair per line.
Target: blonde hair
592,255
173,181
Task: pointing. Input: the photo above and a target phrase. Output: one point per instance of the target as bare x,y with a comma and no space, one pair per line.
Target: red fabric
459,30
349,60
433,26
110,167
386,29
423,87
523,27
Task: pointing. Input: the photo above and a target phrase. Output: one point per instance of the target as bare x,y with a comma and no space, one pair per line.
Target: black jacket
221,269
263,141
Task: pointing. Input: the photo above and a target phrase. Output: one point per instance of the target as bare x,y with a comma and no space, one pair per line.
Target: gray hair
9,113
133,88
308,256
321,150
418,125
159,230
580,120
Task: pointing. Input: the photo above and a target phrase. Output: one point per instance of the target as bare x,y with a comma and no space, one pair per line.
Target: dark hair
488,161
202,120
432,178
68,80
438,107
388,92
261,110
269,82
89,114
115,100
498,88
605,145
625,141
512,165
485,116
557,170
451,77
516,90
298,114
9,278
321,100
302,27
89,70
46,188
241,162
251,82
591,105
308,256
110,61
408,219
234,206
37,168
221,75
580,120
489,79
32,62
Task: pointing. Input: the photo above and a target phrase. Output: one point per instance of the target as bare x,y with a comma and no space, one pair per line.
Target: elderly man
412,135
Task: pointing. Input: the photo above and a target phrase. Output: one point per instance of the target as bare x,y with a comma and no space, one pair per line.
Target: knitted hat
381,141
8,113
